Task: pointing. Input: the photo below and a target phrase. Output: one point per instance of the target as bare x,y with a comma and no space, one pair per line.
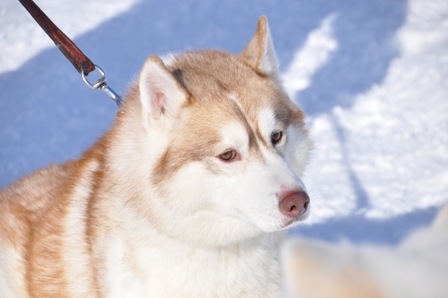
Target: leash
80,61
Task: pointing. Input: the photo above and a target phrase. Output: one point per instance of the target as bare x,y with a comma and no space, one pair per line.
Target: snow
315,52
371,75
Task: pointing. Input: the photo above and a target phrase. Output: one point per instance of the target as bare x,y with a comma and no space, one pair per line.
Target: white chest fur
145,263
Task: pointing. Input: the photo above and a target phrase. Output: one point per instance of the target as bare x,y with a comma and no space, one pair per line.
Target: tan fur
308,277
250,54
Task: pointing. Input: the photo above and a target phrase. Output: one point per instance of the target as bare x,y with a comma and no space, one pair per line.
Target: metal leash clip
80,61
102,84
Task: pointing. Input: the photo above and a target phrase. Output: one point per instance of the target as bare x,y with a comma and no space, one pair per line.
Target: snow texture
371,75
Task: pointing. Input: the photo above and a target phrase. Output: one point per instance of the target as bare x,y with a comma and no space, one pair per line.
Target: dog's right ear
161,94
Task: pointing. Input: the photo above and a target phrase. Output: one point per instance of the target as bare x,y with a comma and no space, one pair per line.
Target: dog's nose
294,204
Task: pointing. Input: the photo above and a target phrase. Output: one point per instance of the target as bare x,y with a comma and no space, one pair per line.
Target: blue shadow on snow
359,229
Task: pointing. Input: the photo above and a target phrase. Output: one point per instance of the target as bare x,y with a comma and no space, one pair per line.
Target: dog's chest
173,270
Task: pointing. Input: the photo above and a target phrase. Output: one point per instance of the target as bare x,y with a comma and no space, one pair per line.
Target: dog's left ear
259,53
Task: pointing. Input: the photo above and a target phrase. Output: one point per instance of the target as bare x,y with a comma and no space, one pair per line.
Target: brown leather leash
80,61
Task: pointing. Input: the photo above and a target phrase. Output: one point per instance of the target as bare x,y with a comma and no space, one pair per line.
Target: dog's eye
276,137
228,155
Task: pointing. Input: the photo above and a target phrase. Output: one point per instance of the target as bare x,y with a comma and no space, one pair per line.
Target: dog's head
225,145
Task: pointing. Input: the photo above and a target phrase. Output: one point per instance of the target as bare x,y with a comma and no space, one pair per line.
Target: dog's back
417,268
28,209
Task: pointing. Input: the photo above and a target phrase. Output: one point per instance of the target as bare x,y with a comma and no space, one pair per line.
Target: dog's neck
221,268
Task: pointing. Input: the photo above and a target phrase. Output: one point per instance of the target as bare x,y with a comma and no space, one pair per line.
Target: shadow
364,31
362,199
47,114
359,229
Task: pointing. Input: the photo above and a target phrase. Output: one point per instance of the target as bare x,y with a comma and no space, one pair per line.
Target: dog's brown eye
276,137
228,155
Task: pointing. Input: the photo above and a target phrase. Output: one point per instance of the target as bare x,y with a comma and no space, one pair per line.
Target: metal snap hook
101,83
98,82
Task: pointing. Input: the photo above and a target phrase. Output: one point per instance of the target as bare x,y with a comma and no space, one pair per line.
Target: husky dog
417,268
185,196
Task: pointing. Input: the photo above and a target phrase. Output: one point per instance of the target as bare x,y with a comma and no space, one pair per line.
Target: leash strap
80,61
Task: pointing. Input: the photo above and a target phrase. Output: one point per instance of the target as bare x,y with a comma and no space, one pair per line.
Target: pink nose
294,204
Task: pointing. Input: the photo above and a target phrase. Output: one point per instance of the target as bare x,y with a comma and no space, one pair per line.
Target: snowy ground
372,76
